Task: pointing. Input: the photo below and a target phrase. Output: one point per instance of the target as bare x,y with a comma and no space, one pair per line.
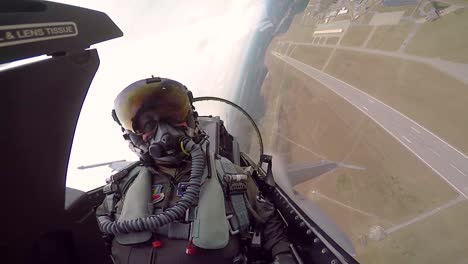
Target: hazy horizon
201,46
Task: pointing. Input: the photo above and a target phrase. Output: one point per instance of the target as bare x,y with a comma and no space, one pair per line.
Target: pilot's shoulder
228,167
131,168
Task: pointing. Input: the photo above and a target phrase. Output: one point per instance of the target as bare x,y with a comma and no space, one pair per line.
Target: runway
441,157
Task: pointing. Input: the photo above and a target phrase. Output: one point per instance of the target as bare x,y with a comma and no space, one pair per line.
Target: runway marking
284,58
365,108
405,138
370,101
433,151
455,167
415,130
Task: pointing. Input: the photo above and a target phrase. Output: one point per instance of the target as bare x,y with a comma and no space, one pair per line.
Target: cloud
200,45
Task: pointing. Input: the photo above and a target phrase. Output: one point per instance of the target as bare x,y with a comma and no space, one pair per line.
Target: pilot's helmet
155,114
168,100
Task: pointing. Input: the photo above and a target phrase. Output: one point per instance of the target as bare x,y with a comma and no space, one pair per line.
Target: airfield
382,87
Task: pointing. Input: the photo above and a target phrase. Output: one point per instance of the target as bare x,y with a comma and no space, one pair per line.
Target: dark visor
165,98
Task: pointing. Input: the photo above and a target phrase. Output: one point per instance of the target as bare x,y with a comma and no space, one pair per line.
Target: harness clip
232,230
110,188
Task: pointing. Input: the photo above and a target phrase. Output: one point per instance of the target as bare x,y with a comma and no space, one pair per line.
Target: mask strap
183,124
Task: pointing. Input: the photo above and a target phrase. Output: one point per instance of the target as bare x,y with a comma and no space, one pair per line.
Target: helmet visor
166,99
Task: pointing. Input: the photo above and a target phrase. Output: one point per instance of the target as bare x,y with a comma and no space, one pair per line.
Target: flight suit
170,243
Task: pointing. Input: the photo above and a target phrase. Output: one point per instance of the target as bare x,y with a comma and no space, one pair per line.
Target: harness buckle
190,215
117,176
256,239
237,187
110,188
232,230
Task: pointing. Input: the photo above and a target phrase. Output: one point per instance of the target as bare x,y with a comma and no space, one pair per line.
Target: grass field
322,40
408,9
315,56
365,19
441,238
307,122
270,91
342,17
282,48
297,33
322,123
332,40
462,2
324,4
446,38
388,37
291,49
427,96
436,5
355,36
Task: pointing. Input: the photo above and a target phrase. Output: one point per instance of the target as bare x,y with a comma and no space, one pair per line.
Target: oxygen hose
177,211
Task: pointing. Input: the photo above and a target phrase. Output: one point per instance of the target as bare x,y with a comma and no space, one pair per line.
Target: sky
199,43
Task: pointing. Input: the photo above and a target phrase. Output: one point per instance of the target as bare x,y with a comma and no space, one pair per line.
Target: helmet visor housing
168,100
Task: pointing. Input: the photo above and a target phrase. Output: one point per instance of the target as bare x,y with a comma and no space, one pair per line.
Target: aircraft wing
119,165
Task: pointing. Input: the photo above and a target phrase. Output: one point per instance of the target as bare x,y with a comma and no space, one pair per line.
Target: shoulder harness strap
111,189
234,187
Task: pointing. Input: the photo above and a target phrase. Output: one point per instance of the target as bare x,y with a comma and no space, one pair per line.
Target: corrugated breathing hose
177,211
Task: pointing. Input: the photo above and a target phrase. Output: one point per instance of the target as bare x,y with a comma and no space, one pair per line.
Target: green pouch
211,228
135,205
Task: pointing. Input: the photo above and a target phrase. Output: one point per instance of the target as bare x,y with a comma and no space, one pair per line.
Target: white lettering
27,33
21,34
39,32
59,30
9,35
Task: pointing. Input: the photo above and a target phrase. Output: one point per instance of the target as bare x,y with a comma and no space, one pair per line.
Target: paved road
445,160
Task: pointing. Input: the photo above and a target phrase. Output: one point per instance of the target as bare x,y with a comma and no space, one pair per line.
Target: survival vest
208,224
